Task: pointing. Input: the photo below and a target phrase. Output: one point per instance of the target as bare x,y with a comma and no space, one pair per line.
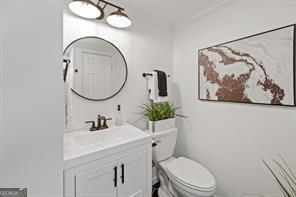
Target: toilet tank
166,142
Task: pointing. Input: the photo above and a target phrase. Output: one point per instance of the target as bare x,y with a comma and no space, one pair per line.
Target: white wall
230,139
144,46
31,96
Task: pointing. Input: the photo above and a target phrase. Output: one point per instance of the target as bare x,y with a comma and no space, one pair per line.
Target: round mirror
94,68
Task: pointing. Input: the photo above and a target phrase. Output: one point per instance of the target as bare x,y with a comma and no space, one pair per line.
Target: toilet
179,177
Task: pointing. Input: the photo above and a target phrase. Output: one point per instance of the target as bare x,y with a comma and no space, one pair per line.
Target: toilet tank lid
191,173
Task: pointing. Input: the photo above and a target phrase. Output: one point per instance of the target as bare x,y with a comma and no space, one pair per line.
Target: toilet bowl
179,177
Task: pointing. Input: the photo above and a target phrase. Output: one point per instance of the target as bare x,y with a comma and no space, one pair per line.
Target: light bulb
85,9
119,19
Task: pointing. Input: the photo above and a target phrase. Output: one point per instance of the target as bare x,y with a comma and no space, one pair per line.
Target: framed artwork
257,69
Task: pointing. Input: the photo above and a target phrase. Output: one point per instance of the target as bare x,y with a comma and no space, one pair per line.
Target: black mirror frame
121,56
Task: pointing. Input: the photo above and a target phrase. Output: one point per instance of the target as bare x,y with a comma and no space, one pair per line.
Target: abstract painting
256,69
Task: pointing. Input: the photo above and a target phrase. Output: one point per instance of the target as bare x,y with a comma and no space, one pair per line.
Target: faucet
102,123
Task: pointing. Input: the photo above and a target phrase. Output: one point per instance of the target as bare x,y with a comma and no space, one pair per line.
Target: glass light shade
119,19
85,9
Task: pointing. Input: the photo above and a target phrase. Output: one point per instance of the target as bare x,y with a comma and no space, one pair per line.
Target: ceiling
168,13
172,12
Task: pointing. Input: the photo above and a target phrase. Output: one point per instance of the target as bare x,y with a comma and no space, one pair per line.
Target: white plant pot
161,125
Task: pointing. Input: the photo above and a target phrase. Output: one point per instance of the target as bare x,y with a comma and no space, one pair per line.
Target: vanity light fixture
90,10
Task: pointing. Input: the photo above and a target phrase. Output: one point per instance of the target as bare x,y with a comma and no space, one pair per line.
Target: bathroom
230,140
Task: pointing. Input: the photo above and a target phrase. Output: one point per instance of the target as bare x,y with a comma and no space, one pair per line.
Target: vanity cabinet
119,174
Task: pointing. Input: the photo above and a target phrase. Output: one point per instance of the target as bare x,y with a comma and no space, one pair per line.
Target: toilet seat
190,174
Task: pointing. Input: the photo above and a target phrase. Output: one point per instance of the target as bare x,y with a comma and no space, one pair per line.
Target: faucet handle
93,125
105,122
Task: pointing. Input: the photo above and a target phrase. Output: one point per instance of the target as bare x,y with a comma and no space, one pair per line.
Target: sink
113,135
83,142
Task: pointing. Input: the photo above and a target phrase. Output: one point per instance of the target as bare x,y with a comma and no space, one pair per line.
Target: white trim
204,11
95,52
137,15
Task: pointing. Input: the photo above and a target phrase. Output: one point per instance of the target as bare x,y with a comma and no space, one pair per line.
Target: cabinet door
132,175
98,182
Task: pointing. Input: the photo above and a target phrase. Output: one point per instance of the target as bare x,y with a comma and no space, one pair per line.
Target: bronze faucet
102,123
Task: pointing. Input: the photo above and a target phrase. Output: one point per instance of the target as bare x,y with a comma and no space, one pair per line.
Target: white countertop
85,145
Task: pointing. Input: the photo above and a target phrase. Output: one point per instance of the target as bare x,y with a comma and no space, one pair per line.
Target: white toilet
179,177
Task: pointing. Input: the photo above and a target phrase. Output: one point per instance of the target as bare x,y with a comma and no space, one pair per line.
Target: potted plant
284,176
161,116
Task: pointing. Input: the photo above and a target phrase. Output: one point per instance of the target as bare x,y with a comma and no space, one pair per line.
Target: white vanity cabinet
123,170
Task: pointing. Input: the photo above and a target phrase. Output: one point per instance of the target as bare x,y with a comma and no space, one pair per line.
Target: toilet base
183,193
162,193
168,189
165,189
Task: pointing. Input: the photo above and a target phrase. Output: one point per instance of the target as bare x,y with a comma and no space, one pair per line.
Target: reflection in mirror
96,69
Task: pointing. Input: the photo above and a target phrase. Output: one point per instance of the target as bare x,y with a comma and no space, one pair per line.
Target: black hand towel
162,83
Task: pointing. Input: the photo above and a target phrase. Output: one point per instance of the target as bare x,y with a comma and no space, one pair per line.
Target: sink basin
84,142
113,135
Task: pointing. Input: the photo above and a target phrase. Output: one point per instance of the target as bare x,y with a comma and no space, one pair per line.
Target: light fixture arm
111,4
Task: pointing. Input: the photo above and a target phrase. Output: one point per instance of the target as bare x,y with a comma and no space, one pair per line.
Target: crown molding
204,11
138,15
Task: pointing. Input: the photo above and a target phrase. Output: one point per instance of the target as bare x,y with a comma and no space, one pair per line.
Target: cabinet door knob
122,173
115,176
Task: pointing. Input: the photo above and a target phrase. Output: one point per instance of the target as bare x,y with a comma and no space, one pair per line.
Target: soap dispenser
119,116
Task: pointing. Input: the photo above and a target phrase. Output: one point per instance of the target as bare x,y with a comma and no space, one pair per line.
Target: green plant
160,111
284,177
